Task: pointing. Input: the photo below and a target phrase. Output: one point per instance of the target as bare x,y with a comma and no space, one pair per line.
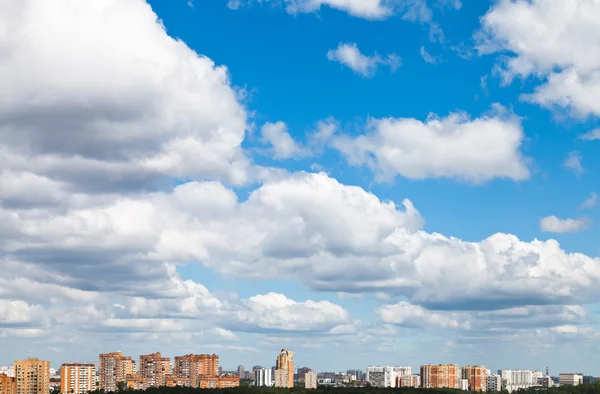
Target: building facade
32,376
193,367
77,378
114,368
310,380
154,369
284,369
409,381
7,384
570,379
493,383
476,376
263,377
386,375
440,376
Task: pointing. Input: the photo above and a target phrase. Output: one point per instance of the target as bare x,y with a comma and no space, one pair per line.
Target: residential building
114,368
135,382
241,371
77,378
516,379
8,370
171,380
493,383
263,377
310,380
154,368
284,369
385,375
192,367
219,382
32,376
302,372
7,384
409,381
476,376
570,379
463,384
440,376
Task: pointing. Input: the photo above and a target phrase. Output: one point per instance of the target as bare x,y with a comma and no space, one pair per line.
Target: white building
262,377
515,379
493,383
570,379
463,384
310,380
385,375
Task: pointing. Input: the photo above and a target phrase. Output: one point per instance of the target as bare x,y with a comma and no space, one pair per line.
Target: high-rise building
440,376
385,375
241,371
302,372
32,376
570,379
408,381
310,380
192,367
493,383
114,368
7,384
77,378
154,368
263,377
284,369
476,376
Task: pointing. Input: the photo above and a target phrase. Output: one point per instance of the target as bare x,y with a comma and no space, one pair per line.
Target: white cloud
552,224
427,57
349,55
561,47
113,113
472,150
573,162
410,315
589,202
284,146
274,311
591,135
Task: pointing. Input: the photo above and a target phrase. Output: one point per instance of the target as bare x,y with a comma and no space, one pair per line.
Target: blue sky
401,181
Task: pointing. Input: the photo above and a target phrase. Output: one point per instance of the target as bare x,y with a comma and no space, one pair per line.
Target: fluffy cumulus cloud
552,224
350,56
118,104
472,150
562,48
283,145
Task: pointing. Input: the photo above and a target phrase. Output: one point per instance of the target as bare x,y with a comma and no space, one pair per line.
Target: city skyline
363,182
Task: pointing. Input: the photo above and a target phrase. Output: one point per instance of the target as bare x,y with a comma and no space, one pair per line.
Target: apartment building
193,367
77,378
310,380
114,368
476,377
386,375
440,376
408,381
7,384
570,379
219,382
284,369
493,383
32,376
154,368
263,377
